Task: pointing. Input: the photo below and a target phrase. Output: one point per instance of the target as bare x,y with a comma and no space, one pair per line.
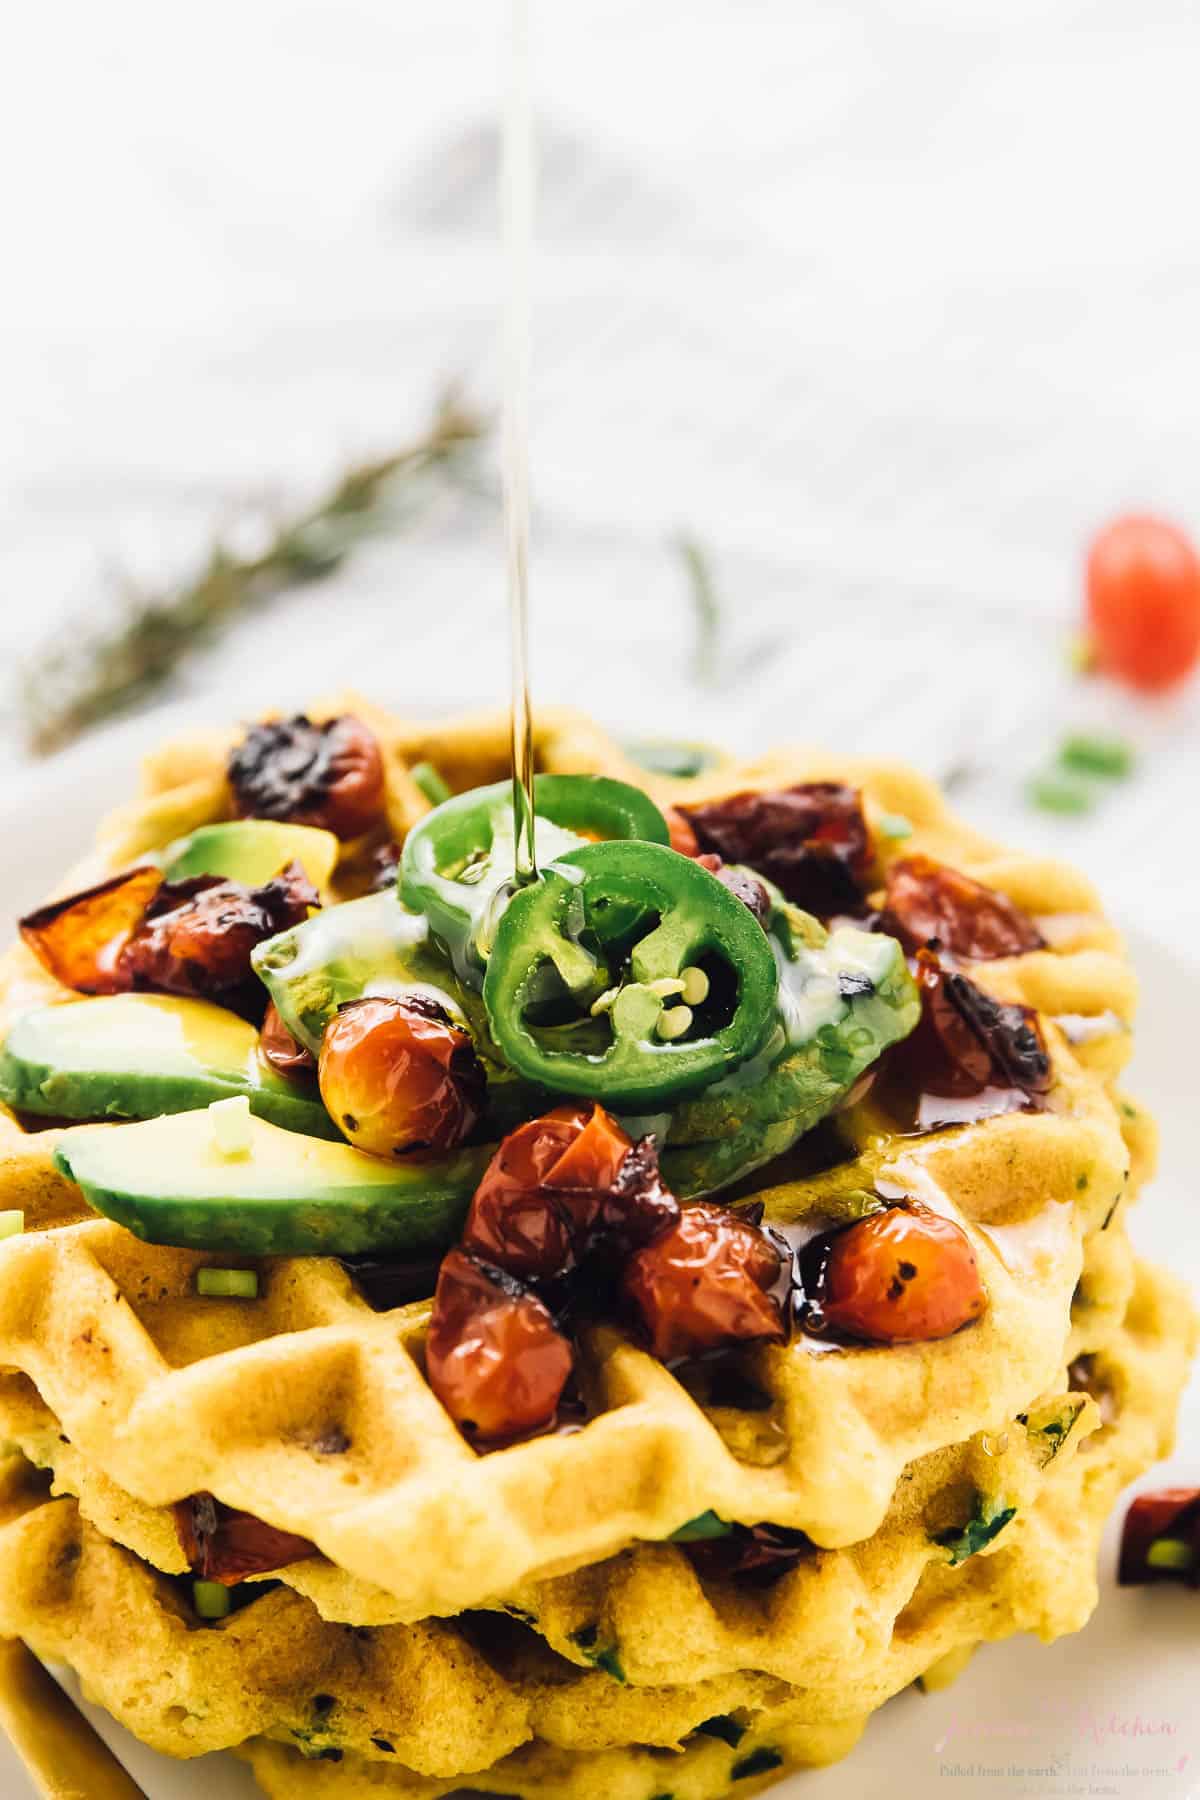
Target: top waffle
311,1411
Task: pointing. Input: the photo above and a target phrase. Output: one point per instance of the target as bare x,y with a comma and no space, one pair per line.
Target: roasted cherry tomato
384,866
810,840
81,939
1161,1538
398,1076
224,1545
704,1283
562,1187
329,774
189,937
901,1276
279,1049
741,884
494,1356
683,838
926,900
753,1556
965,1043
1143,602
197,935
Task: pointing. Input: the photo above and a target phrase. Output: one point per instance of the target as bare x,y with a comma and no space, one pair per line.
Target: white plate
1109,1712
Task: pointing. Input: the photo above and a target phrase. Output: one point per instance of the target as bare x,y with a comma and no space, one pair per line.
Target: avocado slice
373,945
169,1181
252,851
377,946
842,1003
134,1056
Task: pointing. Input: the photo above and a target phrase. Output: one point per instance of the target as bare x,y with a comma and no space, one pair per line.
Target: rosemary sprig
706,608
89,674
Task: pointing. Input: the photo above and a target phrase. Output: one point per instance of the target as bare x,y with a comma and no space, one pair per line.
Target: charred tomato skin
398,1076
196,936
926,900
966,1041
810,839
704,1283
493,1356
905,1275
329,774
542,1189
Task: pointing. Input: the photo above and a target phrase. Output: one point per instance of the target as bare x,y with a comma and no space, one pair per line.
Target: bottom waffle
414,1711
706,1768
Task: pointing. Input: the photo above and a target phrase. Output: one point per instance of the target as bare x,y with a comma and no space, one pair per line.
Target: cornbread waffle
414,1709
166,1395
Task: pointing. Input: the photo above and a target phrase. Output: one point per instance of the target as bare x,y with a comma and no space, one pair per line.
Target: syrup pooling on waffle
815,1457
850,1627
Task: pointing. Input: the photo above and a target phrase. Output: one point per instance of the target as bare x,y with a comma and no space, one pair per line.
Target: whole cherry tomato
397,1075
494,1357
1143,601
901,1276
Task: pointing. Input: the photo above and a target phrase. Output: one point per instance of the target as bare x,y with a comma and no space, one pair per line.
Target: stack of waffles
522,1622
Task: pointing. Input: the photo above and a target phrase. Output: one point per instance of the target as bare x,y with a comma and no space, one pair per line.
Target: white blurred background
889,303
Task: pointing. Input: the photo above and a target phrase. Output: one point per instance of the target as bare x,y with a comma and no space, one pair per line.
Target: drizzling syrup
516,205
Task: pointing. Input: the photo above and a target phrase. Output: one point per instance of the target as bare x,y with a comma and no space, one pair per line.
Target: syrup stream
517,183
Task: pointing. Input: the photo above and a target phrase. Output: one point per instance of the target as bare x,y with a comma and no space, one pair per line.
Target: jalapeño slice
458,862
587,958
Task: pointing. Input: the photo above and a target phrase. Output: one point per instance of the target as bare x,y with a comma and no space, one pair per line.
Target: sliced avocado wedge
169,1181
136,1056
252,851
368,946
842,1003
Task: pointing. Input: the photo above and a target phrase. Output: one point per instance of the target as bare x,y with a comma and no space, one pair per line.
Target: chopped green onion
1170,1553
431,782
667,756
704,1525
895,825
1058,794
211,1600
227,1284
12,1224
1111,757
986,1522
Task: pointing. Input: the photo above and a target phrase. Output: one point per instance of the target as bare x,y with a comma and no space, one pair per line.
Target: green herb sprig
89,674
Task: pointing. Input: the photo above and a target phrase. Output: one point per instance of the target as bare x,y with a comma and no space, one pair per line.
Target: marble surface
890,305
